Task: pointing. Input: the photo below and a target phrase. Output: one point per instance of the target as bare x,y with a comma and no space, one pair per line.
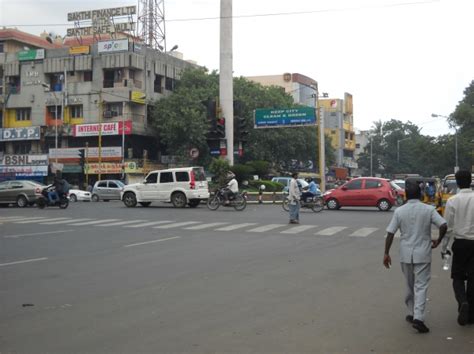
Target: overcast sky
401,59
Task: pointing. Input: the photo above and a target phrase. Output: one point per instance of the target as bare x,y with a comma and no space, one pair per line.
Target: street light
456,166
322,152
398,148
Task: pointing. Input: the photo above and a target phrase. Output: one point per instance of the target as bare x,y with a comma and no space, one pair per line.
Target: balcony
349,144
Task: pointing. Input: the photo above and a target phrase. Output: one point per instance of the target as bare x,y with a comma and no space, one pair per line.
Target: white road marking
151,223
154,241
205,226
38,233
25,261
236,226
94,222
330,230
176,224
266,227
298,229
62,221
10,218
121,223
23,218
363,232
30,221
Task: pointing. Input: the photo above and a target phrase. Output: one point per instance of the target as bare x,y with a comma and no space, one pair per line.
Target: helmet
230,175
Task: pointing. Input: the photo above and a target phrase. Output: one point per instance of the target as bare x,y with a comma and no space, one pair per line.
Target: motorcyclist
57,189
231,188
312,190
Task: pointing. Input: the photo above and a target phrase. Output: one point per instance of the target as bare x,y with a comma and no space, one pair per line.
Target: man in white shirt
231,188
459,214
294,195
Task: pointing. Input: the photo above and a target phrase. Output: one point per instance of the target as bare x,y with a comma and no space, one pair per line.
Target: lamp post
321,140
456,165
398,148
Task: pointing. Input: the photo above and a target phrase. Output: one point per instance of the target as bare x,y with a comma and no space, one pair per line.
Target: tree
463,118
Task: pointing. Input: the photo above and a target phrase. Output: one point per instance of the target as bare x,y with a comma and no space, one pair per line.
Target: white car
180,186
76,195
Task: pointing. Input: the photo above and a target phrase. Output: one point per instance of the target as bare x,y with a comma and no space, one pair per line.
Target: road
99,277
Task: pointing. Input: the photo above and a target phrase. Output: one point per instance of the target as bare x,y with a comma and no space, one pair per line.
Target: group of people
414,220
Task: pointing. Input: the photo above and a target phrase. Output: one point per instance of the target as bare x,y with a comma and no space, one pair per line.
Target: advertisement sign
25,171
103,21
102,13
113,128
32,54
133,166
24,165
118,45
103,168
137,97
27,133
107,152
272,118
83,49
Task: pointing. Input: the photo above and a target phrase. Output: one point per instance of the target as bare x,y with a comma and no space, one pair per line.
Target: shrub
242,172
260,168
269,185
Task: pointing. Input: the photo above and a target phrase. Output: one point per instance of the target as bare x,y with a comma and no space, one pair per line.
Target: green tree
463,119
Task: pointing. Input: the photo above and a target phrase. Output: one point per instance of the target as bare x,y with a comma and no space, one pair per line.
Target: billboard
285,117
113,128
32,54
24,165
118,45
73,154
26,133
102,21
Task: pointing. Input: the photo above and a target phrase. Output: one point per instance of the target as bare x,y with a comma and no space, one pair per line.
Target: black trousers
462,272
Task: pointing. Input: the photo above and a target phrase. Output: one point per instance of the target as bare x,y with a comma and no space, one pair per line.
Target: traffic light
240,128
211,115
82,157
220,127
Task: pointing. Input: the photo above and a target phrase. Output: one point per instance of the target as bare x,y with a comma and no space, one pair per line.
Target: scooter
43,201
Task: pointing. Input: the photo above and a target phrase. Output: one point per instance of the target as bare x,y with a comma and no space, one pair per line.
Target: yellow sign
105,168
138,97
83,49
133,167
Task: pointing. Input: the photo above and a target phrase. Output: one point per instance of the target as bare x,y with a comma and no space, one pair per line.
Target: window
113,109
169,84
152,178
182,177
113,185
372,183
131,74
22,148
87,76
102,184
13,85
23,114
76,111
166,177
54,112
357,184
357,146
1,47
158,84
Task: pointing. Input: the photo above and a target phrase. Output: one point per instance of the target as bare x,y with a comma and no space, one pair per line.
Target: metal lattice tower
151,23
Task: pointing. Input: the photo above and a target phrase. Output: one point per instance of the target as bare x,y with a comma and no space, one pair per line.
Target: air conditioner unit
107,114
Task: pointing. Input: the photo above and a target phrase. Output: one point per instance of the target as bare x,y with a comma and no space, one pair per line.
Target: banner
113,128
118,45
27,133
32,54
107,152
83,49
103,168
24,160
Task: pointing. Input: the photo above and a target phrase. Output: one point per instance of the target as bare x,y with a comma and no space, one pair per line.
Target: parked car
76,195
181,186
363,191
286,183
21,193
107,190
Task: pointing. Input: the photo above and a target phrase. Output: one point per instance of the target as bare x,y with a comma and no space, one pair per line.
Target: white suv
181,186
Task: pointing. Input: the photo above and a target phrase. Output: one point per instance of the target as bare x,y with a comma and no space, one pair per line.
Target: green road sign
273,118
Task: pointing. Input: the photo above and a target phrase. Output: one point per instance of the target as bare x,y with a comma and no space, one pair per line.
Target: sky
400,59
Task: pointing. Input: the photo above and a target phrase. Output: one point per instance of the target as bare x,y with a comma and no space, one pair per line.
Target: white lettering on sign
28,133
24,160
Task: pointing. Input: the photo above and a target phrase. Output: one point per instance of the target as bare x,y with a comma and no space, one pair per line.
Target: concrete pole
226,89
322,152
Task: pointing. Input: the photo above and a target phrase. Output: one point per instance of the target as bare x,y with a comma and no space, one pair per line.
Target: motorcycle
315,203
238,200
43,201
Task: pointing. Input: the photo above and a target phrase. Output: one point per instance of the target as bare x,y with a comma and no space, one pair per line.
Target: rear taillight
192,184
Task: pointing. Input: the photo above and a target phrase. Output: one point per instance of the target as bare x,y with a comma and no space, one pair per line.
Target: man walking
294,195
414,220
459,214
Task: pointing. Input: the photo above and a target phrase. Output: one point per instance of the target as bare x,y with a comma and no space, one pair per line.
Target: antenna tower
151,23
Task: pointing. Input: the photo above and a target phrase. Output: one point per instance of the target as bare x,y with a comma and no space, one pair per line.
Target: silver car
107,190
21,193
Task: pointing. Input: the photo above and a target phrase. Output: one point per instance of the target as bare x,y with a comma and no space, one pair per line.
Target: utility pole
226,89
322,151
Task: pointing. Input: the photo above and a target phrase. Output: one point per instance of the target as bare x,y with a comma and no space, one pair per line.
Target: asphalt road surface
100,277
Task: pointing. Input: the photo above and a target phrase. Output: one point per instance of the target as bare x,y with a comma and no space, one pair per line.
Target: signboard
107,152
118,45
113,128
83,49
272,118
102,27
27,133
133,166
103,21
137,97
102,13
24,165
32,54
103,168
25,171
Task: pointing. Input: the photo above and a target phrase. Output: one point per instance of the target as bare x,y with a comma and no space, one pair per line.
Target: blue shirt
313,187
414,220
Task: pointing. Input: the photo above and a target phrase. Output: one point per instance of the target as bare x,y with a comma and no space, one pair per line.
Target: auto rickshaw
447,189
429,188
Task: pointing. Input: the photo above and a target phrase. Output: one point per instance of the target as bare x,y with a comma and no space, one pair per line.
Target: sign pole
322,153
87,163
100,134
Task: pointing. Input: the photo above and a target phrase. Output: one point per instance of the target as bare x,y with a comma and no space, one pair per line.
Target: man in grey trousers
414,220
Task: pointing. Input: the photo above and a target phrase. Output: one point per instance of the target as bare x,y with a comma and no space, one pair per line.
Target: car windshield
395,186
120,184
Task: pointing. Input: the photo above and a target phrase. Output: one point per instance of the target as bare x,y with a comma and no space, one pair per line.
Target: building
362,142
81,104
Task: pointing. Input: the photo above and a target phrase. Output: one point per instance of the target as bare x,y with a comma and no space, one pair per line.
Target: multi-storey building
88,100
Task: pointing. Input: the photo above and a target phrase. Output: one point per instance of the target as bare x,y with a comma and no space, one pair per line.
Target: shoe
420,326
293,222
463,316
409,318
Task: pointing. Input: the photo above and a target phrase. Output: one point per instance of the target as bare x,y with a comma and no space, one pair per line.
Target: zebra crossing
192,225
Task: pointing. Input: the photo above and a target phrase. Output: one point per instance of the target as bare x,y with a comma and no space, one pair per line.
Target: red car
363,191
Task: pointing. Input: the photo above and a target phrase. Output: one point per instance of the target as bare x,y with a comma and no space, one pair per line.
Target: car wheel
145,204
95,198
73,198
194,203
21,201
178,199
129,200
384,205
332,204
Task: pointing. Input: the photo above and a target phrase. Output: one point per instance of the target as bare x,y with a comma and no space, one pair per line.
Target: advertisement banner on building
107,152
273,118
134,166
26,133
32,54
24,165
118,45
137,97
103,168
83,49
114,128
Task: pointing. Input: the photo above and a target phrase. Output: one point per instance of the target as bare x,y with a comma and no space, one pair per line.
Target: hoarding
83,49
137,97
24,165
107,152
103,21
113,128
118,45
32,54
286,117
26,133
103,168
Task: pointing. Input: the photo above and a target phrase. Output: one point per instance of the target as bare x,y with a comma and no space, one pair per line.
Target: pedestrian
414,220
294,195
459,214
